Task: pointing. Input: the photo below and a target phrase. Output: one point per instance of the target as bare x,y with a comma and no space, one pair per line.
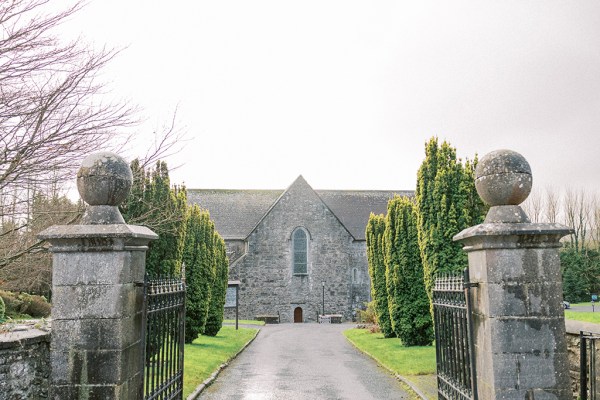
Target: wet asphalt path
303,361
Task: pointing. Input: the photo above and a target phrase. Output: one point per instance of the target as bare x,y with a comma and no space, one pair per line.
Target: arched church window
300,250
354,275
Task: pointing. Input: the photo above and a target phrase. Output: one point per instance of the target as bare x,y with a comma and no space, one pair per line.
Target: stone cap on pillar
103,181
503,180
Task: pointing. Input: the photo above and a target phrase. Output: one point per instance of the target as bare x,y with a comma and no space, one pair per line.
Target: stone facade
24,365
268,285
261,257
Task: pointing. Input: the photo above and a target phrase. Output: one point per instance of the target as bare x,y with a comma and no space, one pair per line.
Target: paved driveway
303,361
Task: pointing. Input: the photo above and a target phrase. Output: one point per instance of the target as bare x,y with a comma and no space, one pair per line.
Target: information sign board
230,297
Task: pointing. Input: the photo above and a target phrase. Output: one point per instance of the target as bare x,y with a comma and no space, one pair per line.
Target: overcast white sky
347,92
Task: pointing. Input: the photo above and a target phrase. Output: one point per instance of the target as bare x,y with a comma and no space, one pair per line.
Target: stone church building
297,250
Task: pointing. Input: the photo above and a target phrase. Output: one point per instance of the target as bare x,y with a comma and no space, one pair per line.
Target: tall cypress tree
153,203
407,300
447,203
375,256
199,270
214,320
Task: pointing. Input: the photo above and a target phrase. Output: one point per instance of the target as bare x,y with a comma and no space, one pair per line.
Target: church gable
297,252
303,204
236,213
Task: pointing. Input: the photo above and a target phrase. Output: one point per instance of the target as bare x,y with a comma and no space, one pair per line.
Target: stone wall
573,329
268,286
24,364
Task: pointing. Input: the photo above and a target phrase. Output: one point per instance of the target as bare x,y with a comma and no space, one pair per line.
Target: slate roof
353,207
236,212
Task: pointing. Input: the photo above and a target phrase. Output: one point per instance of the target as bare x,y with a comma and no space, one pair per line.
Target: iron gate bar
164,325
453,334
587,365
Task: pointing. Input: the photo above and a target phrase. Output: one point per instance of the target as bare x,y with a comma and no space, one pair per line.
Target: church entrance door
298,314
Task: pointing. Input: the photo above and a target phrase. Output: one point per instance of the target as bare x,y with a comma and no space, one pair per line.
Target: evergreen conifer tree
214,320
407,300
375,256
199,270
153,203
447,203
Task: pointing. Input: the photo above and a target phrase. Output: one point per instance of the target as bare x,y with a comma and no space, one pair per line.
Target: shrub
11,303
367,316
374,329
24,304
38,307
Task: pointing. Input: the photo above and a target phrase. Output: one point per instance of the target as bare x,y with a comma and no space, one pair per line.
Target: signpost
232,299
594,299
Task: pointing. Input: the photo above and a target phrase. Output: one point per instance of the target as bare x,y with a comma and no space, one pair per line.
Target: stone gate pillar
518,317
97,290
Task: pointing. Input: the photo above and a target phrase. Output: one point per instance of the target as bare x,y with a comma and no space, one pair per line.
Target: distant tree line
188,246
413,243
580,255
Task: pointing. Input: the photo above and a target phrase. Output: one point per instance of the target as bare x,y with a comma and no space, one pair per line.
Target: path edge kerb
200,388
399,377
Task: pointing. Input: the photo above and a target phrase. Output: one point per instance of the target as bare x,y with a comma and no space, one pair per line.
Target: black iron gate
164,338
588,389
453,338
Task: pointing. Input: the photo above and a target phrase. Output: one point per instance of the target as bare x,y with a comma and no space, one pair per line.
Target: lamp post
323,283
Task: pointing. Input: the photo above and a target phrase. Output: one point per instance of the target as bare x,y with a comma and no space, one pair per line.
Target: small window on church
354,275
300,246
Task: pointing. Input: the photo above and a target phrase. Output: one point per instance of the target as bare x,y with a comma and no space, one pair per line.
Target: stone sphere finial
104,181
503,178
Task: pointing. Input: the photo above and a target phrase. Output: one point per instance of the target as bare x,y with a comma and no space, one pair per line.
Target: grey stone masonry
518,318
96,350
24,364
269,286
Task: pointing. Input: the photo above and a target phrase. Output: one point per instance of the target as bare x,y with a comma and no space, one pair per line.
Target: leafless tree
577,211
551,206
595,221
533,206
53,112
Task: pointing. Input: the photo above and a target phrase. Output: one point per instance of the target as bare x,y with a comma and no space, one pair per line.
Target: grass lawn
204,355
418,360
583,316
245,322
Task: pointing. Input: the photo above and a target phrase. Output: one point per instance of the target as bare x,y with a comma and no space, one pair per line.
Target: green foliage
580,272
17,305
2,310
214,320
154,203
407,300
375,256
198,256
368,315
186,235
447,203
